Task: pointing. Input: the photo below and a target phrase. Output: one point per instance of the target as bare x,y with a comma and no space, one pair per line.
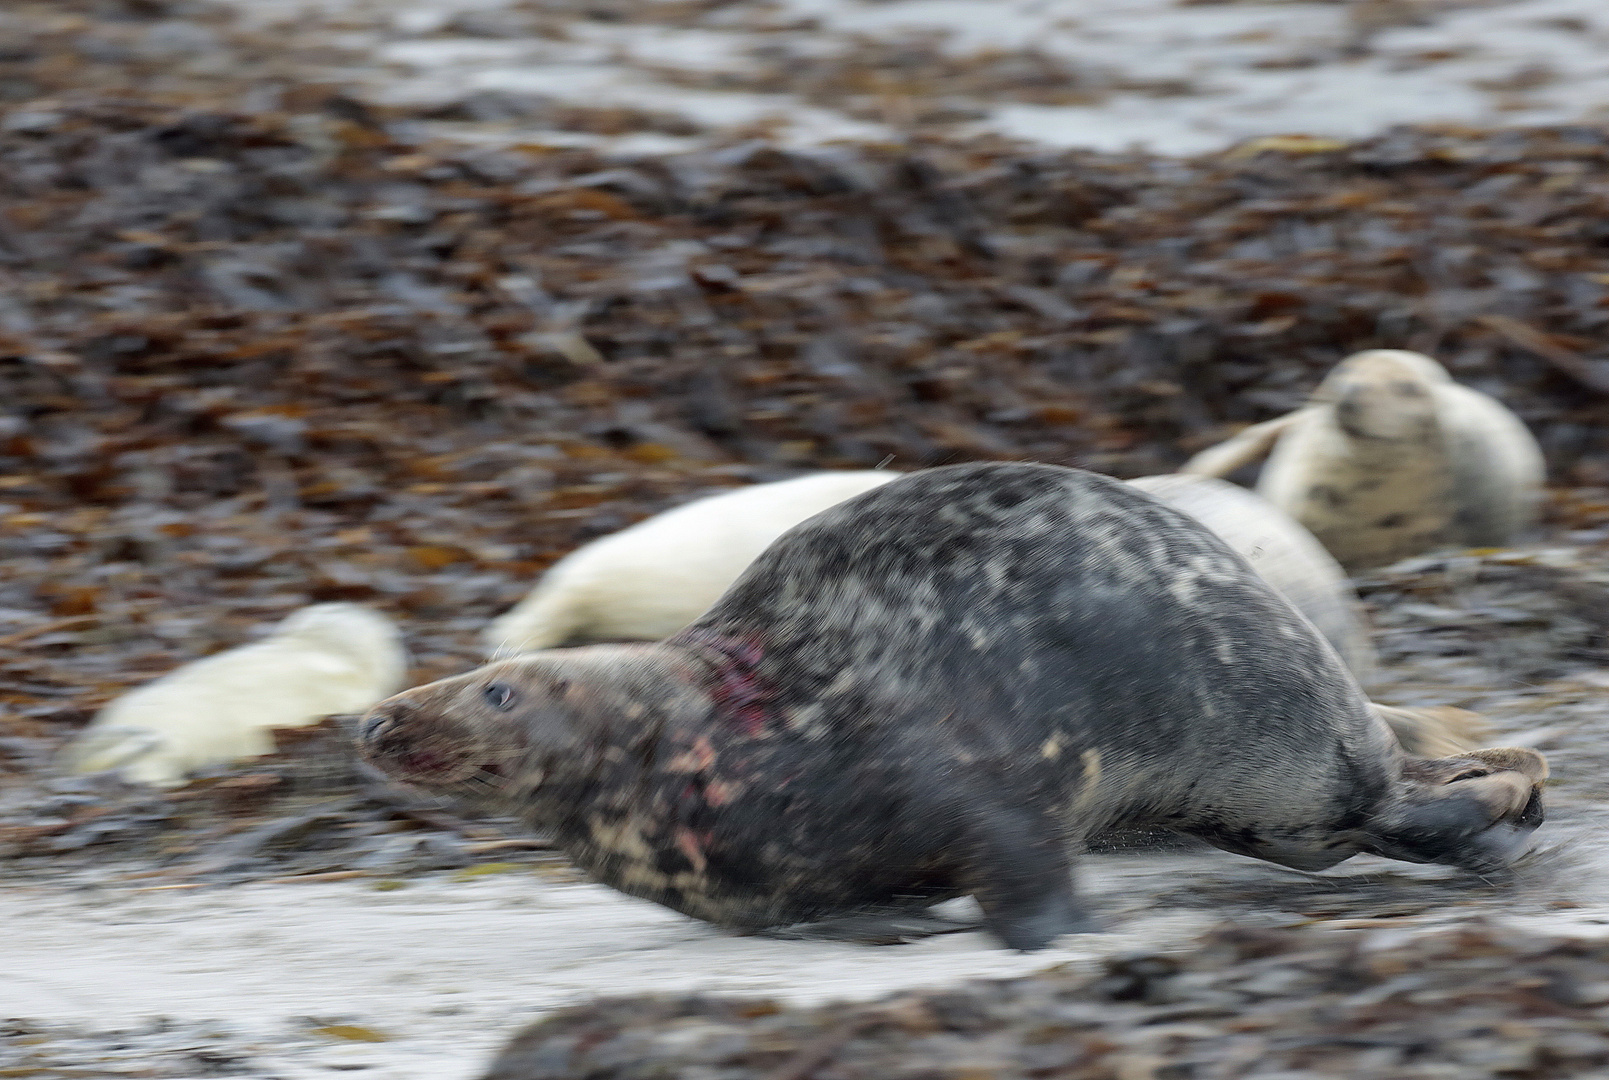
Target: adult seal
939,688
1391,458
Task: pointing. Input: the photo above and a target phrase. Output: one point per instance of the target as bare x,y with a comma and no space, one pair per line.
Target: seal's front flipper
1434,731
1474,811
874,929
1249,445
1020,874
1030,922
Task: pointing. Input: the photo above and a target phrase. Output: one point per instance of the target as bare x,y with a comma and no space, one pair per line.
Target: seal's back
1009,606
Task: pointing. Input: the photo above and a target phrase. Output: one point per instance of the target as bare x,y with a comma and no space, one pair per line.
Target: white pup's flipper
107,748
1241,449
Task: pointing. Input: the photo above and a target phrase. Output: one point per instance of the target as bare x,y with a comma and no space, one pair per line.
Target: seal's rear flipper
1474,811
1435,731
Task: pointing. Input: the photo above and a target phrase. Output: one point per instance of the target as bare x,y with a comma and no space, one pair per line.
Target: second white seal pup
1392,459
648,581
323,659
655,577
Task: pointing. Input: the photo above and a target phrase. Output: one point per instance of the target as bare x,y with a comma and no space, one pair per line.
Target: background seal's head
1386,395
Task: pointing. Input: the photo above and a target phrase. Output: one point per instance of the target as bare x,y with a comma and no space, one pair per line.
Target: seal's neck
620,701
741,695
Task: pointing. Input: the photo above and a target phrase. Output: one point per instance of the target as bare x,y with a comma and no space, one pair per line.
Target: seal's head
513,725
1385,395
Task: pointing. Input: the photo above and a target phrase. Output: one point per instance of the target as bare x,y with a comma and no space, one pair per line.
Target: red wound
740,694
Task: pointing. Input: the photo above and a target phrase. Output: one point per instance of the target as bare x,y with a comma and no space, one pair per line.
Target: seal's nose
382,719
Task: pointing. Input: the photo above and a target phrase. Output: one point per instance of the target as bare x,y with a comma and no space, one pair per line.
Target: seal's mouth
432,766
415,746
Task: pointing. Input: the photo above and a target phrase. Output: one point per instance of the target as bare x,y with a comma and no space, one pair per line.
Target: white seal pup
1286,555
1390,459
650,580
943,687
323,659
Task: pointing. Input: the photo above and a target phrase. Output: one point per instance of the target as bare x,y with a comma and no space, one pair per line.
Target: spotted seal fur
1287,556
939,688
1391,458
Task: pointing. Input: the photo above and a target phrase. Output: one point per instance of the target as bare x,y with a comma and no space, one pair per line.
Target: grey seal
941,687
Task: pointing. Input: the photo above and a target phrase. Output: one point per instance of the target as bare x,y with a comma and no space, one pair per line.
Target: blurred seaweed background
267,339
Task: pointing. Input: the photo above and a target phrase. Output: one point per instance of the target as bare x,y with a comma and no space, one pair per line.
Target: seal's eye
500,696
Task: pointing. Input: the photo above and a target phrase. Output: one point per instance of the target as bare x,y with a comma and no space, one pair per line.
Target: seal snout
384,729
382,718
407,739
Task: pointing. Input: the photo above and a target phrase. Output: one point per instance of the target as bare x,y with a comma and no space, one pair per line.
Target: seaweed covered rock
1472,1003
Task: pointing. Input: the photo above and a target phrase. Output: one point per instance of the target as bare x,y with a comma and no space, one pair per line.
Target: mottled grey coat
940,687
